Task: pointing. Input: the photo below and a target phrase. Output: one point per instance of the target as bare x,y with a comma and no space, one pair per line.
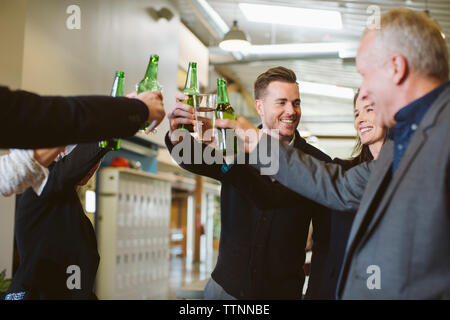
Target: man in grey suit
399,245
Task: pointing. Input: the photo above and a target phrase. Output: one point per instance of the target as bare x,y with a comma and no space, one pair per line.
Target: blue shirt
408,119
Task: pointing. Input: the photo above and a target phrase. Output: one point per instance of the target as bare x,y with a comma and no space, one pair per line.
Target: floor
185,275
188,275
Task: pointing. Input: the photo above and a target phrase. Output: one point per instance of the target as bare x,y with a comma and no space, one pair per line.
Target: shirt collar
409,112
415,111
65,152
292,141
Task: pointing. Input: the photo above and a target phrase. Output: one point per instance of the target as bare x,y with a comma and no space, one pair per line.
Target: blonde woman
369,141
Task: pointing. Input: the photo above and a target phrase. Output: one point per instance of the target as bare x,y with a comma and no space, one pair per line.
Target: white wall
114,34
12,28
192,49
7,206
337,148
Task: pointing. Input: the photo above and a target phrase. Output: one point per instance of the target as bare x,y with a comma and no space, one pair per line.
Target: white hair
418,38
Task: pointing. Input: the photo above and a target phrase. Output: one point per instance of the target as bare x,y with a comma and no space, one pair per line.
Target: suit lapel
417,141
382,167
410,154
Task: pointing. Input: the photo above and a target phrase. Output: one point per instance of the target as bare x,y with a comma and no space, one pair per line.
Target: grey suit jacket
403,250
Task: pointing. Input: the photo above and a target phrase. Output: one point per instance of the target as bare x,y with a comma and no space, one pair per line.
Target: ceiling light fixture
235,39
292,48
312,18
326,90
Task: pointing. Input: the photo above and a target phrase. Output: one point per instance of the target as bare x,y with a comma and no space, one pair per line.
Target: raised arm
187,152
189,155
69,171
31,121
326,183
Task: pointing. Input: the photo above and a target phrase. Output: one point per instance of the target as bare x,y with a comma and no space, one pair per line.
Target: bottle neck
222,94
191,85
117,89
152,71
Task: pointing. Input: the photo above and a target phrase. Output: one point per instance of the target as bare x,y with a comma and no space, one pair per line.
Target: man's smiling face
279,108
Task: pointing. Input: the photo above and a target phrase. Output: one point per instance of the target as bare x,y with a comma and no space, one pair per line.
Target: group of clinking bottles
191,89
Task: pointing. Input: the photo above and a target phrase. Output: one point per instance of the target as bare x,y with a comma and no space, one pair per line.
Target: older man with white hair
399,245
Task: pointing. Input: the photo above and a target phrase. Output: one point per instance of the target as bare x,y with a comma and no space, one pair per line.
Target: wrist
41,158
145,110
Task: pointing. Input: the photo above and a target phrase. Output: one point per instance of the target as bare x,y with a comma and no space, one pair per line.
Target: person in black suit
53,234
30,121
264,225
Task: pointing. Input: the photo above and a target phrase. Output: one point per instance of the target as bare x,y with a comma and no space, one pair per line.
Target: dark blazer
52,232
340,223
399,243
334,227
30,121
264,227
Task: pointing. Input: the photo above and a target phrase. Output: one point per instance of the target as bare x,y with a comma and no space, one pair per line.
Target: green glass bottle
224,111
150,81
116,91
192,90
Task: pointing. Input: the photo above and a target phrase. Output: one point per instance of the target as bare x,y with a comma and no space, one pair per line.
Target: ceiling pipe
214,21
322,50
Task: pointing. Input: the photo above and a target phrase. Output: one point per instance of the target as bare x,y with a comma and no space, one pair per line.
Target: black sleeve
256,188
243,177
189,155
66,173
30,121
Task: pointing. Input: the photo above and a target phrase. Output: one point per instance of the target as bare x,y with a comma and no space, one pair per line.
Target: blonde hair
418,38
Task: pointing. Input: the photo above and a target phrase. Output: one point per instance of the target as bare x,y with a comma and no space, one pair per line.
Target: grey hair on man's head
418,38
